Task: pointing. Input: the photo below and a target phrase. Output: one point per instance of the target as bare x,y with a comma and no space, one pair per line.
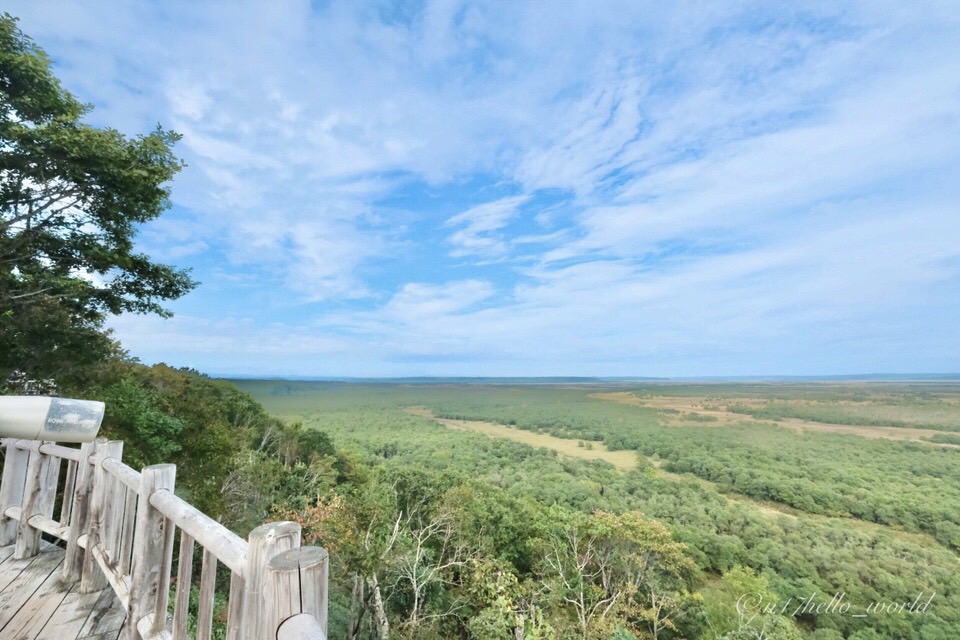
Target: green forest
725,510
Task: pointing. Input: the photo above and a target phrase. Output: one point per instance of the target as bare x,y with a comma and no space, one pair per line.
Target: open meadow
816,488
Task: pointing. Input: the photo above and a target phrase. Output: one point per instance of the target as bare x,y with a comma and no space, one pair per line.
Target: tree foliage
510,503
71,198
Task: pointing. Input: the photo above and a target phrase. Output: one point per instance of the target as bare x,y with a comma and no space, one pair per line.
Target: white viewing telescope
43,418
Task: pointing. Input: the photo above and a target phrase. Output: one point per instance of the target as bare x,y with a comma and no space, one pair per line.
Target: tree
204,426
503,608
743,605
71,199
609,568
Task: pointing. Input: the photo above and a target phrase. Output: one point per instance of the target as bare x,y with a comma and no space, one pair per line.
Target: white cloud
738,183
416,301
476,235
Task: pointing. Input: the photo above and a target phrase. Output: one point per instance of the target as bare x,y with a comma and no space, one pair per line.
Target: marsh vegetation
492,494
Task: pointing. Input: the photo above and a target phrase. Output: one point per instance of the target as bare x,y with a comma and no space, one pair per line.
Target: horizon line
864,377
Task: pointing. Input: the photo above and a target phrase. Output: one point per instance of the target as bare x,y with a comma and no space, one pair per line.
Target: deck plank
5,553
107,617
36,604
23,587
72,614
37,611
11,569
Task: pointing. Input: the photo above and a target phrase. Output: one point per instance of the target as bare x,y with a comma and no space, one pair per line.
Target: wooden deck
119,528
35,602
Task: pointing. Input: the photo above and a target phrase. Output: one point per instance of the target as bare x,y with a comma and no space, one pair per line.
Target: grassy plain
622,460
820,487
701,411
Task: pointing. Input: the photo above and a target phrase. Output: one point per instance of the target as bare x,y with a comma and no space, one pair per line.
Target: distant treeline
829,415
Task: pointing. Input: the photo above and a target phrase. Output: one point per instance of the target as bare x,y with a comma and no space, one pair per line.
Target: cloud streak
477,227
496,188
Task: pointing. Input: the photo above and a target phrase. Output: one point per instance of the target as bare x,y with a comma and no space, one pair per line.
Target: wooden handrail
60,451
118,526
228,547
123,473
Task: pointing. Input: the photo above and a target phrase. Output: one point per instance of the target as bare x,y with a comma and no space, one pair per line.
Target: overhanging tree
71,199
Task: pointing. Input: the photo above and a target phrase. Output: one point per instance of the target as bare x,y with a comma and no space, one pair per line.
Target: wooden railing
119,526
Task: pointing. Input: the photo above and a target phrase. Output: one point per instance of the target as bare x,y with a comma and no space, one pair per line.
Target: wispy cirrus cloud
470,188
477,227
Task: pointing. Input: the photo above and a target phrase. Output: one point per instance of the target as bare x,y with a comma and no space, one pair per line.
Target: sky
599,188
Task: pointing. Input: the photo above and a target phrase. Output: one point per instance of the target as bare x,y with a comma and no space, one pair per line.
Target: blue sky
533,188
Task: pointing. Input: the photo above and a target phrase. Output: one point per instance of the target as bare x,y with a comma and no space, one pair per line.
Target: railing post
266,541
181,609
39,494
92,578
235,613
298,583
152,556
11,488
80,515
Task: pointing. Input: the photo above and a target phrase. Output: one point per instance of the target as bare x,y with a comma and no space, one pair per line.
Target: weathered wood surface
38,497
92,578
11,488
152,554
54,449
73,564
118,526
181,616
298,582
117,469
266,541
36,604
208,578
229,548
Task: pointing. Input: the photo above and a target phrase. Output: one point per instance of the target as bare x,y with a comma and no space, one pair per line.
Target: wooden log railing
119,528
